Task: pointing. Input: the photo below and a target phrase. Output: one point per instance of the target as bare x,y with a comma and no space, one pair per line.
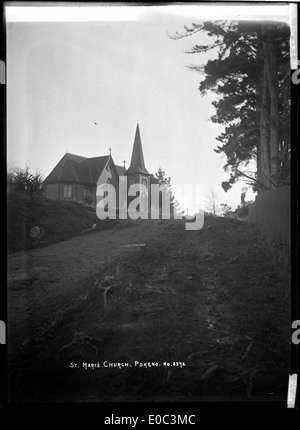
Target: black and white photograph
150,215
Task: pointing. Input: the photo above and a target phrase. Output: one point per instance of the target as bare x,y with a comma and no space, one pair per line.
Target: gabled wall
56,190
109,174
52,191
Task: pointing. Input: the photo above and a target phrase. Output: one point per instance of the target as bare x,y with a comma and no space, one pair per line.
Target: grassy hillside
216,300
56,220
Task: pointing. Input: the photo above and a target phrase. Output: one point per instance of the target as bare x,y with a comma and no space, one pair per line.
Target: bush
21,180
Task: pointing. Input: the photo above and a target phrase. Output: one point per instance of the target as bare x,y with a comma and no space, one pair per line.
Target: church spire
137,164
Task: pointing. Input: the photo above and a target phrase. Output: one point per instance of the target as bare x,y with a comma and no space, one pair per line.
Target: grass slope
57,220
217,300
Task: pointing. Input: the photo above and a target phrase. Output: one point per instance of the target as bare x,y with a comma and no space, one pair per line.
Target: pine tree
251,77
164,181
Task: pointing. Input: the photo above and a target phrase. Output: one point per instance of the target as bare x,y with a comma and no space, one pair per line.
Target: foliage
164,181
226,210
213,201
250,76
243,209
21,180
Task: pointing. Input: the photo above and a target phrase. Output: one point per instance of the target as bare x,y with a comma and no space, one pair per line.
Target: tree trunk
285,154
271,68
265,162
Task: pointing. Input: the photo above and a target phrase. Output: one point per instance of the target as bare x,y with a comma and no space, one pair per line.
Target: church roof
137,164
77,158
74,168
121,170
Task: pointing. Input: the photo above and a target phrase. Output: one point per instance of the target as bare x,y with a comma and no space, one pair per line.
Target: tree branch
178,36
208,48
269,180
252,179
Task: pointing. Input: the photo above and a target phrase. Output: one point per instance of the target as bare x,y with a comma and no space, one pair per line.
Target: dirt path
44,281
208,309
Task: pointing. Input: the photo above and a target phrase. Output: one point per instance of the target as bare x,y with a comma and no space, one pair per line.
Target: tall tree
164,181
251,78
213,201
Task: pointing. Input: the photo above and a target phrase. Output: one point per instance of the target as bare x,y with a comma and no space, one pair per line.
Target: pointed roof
137,164
74,168
120,169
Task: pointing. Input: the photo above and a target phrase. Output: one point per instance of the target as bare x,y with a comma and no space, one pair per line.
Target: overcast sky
115,68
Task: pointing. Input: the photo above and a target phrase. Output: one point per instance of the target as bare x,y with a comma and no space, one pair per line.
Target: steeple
137,164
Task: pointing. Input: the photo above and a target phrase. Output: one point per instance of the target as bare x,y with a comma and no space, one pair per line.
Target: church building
75,178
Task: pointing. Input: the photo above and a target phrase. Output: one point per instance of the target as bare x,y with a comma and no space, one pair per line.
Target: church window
67,191
108,180
144,181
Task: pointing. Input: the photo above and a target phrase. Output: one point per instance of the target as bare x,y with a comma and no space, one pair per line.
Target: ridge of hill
55,221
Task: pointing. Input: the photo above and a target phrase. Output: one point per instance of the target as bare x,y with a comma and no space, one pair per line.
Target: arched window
144,182
108,180
67,191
